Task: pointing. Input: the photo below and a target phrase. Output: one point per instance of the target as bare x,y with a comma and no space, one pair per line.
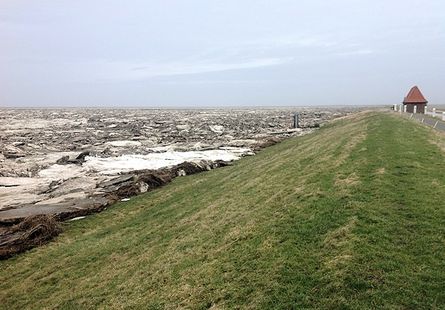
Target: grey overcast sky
220,53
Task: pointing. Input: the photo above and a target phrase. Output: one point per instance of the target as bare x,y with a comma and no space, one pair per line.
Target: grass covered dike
349,217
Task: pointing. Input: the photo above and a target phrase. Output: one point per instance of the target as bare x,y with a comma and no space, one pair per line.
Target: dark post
296,121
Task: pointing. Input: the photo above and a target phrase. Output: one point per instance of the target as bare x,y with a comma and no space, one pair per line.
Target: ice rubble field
152,161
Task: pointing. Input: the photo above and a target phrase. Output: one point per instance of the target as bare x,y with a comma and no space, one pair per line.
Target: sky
203,53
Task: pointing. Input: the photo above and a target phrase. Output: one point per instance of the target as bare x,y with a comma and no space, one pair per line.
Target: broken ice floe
154,161
61,172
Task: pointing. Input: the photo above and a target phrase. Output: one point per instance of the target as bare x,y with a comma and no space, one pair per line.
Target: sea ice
124,143
154,161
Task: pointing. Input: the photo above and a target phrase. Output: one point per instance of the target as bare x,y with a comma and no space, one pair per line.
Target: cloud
292,41
270,46
241,55
356,52
133,71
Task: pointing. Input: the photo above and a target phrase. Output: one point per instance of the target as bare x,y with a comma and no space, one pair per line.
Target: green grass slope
351,216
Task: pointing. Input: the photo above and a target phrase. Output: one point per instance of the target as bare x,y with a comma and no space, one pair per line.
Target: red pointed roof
415,96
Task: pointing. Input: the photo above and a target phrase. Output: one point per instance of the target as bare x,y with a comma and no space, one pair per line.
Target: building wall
420,107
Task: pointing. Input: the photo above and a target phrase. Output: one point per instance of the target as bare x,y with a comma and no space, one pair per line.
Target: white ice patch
162,149
154,161
217,129
61,172
124,143
38,123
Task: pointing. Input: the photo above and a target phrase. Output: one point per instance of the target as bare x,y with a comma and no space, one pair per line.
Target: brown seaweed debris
31,232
